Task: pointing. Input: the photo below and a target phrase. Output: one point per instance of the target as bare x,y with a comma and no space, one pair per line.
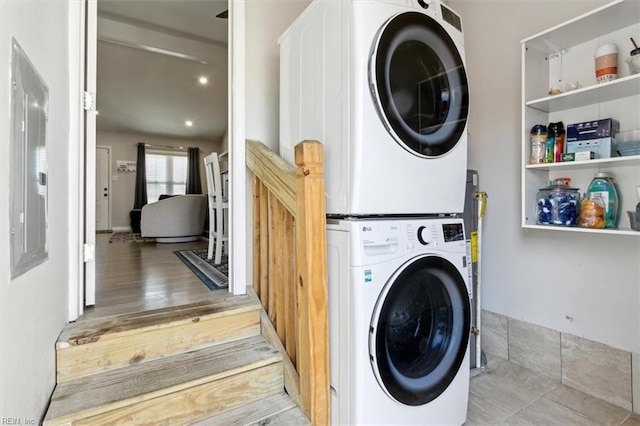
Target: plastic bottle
538,140
603,186
551,142
558,144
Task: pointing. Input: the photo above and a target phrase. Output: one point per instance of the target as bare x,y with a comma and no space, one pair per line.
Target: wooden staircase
204,363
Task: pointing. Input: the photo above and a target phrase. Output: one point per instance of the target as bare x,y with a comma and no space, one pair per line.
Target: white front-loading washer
382,84
399,321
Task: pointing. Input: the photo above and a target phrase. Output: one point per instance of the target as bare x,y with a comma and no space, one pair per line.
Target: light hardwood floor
133,277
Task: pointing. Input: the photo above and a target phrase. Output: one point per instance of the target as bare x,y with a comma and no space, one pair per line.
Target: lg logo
366,228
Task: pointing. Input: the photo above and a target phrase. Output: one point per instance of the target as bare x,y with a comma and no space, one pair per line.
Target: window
166,173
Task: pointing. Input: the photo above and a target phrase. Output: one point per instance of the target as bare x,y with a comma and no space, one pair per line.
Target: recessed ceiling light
188,123
203,80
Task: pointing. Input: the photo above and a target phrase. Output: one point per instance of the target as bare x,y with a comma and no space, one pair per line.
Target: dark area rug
129,237
213,276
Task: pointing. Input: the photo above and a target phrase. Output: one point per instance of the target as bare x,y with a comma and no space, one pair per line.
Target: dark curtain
193,172
141,179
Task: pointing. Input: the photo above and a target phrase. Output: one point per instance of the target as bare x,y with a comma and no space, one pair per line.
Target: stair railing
290,267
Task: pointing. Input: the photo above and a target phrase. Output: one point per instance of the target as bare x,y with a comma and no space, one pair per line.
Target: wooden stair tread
113,389
277,409
92,330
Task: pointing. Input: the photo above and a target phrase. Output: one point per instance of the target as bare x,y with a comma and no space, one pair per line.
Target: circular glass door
419,84
420,331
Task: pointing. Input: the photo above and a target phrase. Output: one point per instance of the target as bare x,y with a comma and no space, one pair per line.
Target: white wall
34,306
540,277
266,20
124,148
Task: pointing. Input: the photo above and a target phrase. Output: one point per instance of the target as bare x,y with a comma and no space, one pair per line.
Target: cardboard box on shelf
601,148
596,129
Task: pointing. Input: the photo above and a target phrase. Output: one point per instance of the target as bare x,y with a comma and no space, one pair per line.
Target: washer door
419,84
420,330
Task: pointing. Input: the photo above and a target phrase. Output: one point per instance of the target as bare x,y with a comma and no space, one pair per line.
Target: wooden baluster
279,259
271,306
311,261
290,289
264,246
256,235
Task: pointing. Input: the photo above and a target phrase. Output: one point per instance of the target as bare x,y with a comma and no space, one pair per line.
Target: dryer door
419,84
420,330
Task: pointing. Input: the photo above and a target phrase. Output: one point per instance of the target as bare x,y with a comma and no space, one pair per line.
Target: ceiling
151,54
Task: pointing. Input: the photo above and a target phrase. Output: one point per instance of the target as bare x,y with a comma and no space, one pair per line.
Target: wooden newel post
311,261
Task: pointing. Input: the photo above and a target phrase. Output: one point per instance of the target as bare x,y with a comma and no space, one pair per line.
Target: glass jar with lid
558,204
592,212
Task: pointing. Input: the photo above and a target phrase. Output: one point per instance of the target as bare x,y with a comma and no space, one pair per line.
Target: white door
103,188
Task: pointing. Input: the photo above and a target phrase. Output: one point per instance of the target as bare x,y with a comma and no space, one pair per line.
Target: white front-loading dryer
399,321
382,84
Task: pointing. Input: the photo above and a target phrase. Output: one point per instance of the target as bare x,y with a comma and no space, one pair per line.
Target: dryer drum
420,331
419,84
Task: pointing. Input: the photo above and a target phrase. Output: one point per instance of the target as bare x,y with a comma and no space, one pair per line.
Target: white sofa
177,219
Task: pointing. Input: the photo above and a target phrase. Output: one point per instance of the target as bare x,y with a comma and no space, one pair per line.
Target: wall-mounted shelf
596,23
633,160
563,54
605,92
584,230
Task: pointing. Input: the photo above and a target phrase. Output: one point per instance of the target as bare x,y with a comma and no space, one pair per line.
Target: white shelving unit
563,54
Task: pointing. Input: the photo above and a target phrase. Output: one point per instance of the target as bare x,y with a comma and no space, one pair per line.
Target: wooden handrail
274,172
290,267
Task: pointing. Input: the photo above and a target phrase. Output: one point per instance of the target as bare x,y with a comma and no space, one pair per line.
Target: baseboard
121,229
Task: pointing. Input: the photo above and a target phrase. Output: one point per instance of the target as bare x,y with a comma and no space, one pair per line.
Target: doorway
234,134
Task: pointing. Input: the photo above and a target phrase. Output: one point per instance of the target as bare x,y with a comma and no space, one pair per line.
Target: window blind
166,173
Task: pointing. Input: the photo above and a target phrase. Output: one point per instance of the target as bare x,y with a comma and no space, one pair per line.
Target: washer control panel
452,232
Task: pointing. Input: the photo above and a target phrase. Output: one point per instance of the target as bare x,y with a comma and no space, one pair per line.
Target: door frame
77,43
90,87
238,244
109,179
82,288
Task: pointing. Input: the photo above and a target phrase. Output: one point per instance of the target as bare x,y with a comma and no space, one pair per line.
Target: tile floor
508,394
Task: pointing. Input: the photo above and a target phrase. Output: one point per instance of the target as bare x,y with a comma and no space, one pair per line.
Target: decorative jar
558,204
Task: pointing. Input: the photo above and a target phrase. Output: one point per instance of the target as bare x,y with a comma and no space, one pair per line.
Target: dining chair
218,208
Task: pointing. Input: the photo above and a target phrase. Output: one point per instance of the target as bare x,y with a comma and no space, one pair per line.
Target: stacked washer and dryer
382,84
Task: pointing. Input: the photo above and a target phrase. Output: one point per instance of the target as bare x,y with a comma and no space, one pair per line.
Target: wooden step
180,389
273,410
102,344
